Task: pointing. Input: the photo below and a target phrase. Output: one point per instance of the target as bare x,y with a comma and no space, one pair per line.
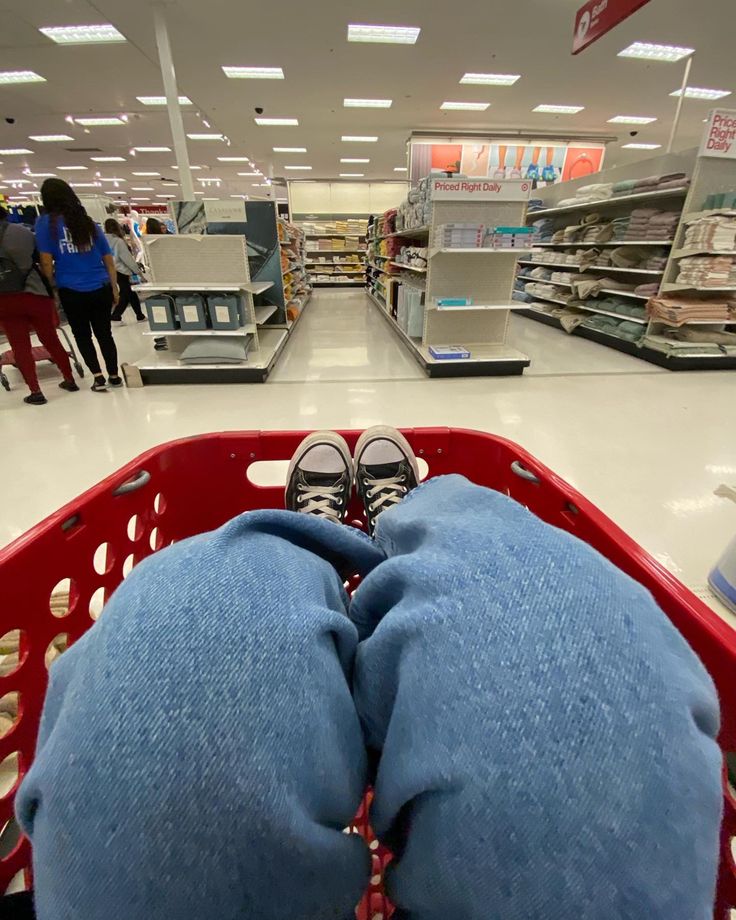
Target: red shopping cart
56,577
7,358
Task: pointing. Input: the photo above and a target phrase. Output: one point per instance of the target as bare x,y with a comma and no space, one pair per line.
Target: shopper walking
126,267
25,308
540,740
76,259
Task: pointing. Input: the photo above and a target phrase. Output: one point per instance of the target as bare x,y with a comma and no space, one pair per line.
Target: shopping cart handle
523,472
138,481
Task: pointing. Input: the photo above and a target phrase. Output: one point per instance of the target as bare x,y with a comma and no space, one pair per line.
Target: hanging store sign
719,139
479,189
596,17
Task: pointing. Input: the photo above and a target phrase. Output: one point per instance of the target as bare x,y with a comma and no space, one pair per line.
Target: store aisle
342,337
646,446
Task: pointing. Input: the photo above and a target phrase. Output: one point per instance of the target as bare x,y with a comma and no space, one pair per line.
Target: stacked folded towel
717,232
540,274
543,230
673,180
548,291
646,290
560,277
707,271
680,309
663,225
536,204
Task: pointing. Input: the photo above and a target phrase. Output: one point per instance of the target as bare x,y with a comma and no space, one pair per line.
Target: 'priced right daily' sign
719,139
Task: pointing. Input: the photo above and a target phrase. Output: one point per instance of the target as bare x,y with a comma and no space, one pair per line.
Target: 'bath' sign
480,189
719,139
596,17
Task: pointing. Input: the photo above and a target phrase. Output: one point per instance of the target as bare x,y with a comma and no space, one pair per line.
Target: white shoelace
390,492
320,500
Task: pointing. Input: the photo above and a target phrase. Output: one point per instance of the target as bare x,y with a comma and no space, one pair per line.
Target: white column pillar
681,97
168,73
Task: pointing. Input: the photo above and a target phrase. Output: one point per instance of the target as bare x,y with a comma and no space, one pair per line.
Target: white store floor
647,446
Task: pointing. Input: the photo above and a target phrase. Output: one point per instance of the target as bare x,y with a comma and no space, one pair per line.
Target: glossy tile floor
647,446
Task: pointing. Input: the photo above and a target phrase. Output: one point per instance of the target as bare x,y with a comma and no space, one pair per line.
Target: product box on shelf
225,311
191,310
512,237
445,302
461,236
161,313
448,352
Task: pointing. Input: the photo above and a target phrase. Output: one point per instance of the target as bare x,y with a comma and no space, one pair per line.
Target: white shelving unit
481,327
332,271
201,263
295,276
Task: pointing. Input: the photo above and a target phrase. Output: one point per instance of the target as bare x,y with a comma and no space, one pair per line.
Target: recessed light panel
152,149
400,169
145,173
390,35
20,76
71,168
289,149
49,138
99,122
700,92
141,188
14,151
466,106
631,120
359,138
642,146
559,109
204,137
367,103
108,159
354,160
254,73
352,175
234,159
276,121
650,52
297,167
491,79
161,100
83,35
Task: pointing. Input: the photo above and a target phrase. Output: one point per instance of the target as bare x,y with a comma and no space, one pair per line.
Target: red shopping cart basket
56,577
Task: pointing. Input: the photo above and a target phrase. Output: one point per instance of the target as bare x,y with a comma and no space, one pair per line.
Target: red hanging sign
596,17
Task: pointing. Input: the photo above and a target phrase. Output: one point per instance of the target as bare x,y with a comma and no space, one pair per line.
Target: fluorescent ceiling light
20,76
166,196
33,175
351,175
140,199
85,184
234,159
699,92
249,174
207,199
559,109
153,149
108,159
113,179
204,137
239,196
390,35
83,35
161,100
400,169
14,151
367,103
650,52
170,184
354,160
209,180
98,122
297,167
631,120
641,146
254,73
141,188
490,79
289,149
191,167
145,173
276,121
49,138
466,106
359,138
71,168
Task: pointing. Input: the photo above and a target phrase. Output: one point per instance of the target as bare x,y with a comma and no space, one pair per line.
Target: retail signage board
719,137
225,212
479,189
596,17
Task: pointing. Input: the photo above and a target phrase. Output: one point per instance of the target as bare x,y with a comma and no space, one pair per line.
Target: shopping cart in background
56,578
7,358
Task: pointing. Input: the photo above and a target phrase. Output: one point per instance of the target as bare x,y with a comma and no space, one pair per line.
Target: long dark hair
112,226
154,226
60,200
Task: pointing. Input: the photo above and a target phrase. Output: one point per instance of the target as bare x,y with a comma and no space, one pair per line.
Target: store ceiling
529,37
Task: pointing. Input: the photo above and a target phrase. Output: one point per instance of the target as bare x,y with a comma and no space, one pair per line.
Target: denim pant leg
546,736
200,753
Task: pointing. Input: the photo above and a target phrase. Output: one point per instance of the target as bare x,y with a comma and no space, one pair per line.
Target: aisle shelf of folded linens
642,260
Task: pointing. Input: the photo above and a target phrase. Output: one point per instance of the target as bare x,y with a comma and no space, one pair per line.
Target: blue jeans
540,738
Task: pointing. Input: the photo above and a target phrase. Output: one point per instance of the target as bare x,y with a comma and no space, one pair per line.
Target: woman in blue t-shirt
75,257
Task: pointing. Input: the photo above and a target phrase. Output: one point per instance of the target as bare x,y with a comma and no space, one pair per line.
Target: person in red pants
29,310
